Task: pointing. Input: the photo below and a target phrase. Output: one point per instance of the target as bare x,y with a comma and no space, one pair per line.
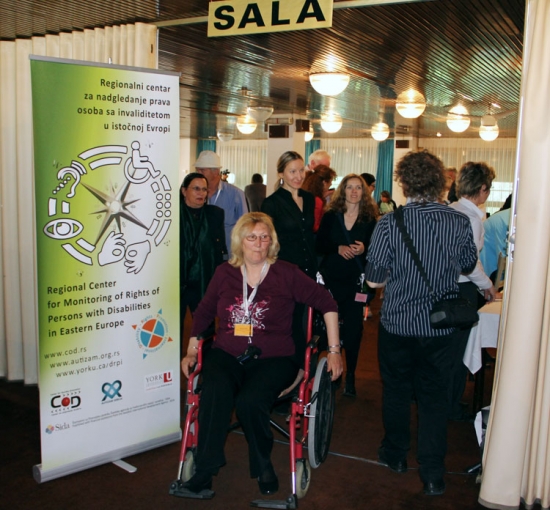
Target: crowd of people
308,245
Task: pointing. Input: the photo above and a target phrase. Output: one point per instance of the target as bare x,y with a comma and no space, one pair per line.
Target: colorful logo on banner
115,206
152,333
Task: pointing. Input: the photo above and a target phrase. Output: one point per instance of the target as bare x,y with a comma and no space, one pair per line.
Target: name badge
360,297
243,330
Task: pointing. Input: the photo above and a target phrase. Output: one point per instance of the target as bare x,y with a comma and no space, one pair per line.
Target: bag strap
399,220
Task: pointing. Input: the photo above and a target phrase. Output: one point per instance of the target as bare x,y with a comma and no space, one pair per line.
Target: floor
350,478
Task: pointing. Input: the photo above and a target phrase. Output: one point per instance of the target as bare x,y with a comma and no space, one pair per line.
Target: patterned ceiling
450,50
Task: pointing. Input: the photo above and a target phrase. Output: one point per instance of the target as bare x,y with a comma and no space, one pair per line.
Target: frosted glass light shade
457,119
331,122
488,130
308,135
329,84
380,131
410,104
246,125
225,137
259,113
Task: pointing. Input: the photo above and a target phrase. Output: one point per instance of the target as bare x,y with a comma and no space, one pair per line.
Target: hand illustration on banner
136,255
116,207
113,249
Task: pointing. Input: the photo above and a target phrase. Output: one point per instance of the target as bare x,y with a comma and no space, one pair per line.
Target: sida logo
57,427
65,402
158,380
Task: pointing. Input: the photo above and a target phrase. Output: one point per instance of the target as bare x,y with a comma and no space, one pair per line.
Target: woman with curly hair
318,182
414,357
343,239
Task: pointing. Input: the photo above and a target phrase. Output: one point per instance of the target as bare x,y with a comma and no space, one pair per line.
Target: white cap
208,159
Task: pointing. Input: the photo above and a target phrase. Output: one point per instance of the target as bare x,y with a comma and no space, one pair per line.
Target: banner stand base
124,465
41,475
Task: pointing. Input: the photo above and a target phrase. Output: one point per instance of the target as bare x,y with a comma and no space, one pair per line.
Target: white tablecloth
483,334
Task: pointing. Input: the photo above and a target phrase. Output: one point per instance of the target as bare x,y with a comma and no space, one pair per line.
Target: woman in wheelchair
252,357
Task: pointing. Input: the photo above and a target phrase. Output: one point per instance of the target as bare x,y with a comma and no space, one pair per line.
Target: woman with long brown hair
343,239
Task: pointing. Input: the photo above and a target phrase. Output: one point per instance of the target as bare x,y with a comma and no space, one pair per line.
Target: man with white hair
230,198
319,157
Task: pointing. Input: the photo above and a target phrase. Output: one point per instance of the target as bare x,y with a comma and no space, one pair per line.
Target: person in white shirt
473,186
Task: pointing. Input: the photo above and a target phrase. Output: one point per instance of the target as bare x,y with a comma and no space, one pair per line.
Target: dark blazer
255,195
215,218
294,228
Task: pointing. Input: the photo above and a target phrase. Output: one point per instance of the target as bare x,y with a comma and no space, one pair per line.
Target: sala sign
238,17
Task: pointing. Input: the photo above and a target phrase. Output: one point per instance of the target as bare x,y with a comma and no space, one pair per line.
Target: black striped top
444,241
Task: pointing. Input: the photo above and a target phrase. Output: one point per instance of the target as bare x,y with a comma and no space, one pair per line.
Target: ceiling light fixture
224,137
380,131
308,135
259,113
458,119
329,84
488,130
410,104
331,122
246,125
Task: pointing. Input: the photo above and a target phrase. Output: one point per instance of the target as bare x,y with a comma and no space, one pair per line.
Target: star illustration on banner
116,207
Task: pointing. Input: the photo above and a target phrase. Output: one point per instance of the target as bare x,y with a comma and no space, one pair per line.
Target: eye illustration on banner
152,333
117,238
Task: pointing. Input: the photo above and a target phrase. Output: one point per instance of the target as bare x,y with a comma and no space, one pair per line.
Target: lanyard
247,301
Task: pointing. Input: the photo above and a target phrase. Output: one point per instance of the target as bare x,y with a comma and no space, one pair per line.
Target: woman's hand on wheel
335,365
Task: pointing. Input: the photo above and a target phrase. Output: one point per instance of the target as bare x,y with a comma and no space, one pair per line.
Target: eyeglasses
264,238
197,189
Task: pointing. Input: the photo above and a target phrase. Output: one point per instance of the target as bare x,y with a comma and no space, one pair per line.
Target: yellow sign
238,17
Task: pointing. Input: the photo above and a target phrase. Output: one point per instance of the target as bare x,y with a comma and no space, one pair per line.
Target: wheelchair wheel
188,466
303,477
321,416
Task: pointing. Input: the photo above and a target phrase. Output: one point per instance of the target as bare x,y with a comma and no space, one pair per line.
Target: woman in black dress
202,241
291,209
343,239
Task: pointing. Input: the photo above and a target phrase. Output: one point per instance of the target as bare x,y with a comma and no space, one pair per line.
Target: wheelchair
309,426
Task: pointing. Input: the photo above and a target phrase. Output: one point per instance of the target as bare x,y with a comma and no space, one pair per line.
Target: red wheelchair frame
310,423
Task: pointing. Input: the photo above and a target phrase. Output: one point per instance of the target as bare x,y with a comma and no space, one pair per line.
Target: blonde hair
244,227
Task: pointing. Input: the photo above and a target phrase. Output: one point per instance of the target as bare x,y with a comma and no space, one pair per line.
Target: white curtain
243,158
132,45
516,464
352,156
500,154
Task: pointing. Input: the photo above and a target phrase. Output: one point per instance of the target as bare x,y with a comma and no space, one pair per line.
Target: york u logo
167,377
65,401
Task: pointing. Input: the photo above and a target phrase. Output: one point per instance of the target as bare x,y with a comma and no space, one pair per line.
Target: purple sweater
272,308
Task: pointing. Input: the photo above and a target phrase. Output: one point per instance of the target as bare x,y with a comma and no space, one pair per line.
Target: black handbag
451,312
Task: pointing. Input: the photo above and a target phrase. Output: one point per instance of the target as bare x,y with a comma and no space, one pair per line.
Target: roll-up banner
106,143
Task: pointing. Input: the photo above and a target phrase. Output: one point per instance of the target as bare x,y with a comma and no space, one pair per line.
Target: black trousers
420,365
351,330
251,389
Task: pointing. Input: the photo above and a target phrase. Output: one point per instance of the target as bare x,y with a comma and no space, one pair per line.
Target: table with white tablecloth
484,334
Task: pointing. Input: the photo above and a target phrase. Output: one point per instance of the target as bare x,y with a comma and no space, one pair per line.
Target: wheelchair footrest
290,503
176,489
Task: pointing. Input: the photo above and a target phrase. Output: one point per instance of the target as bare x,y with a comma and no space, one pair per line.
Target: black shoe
398,466
268,481
435,488
198,482
349,388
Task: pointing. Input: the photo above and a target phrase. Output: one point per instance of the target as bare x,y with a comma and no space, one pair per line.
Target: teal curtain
311,147
384,169
205,145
